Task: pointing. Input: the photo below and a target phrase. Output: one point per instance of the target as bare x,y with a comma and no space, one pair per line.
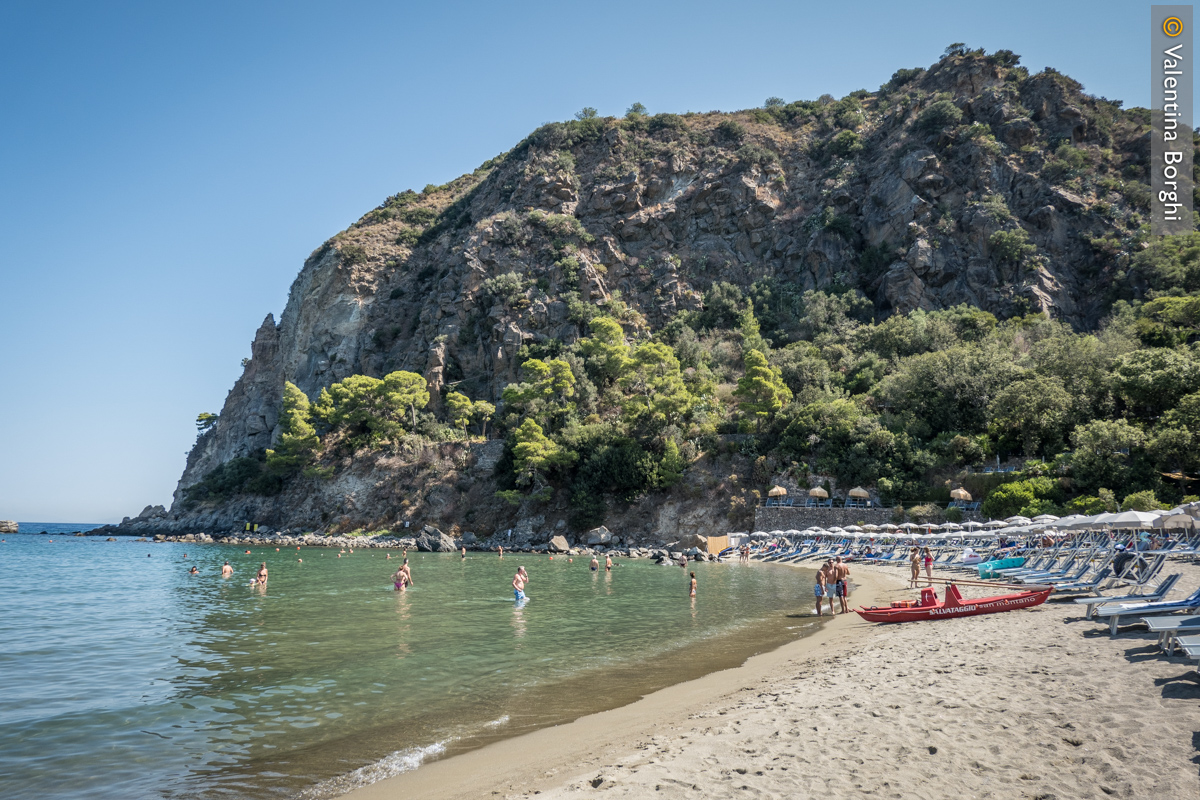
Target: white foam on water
394,764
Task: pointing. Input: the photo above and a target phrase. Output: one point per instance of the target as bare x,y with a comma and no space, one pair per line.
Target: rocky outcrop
7,526
453,282
558,544
431,540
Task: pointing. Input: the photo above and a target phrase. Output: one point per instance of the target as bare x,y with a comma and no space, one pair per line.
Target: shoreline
539,760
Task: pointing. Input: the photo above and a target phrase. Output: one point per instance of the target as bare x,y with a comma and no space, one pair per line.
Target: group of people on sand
833,581
744,554
915,559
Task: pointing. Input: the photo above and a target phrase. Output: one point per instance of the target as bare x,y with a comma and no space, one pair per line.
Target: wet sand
1035,703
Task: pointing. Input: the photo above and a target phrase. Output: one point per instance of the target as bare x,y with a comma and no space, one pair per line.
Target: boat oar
1026,586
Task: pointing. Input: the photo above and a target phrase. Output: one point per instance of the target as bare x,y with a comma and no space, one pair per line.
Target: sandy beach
1027,704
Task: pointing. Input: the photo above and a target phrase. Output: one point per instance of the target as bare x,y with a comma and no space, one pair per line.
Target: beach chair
1169,629
1061,575
1104,576
1190,645
1158,594
1190,604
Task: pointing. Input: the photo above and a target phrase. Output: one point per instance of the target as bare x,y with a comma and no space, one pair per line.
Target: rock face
453,282
558,544
7,526
431,540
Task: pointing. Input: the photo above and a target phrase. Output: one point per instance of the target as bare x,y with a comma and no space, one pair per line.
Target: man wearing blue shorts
820,590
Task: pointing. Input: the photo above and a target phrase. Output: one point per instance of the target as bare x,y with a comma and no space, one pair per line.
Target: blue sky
165,168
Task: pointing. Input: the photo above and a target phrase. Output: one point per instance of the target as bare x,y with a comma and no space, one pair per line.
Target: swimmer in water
193,571
226,570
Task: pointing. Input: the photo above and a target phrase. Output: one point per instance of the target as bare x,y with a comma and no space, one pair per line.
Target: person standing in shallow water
226,570
819,590
692,586
262,574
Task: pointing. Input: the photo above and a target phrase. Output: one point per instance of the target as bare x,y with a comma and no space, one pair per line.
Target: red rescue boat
929,607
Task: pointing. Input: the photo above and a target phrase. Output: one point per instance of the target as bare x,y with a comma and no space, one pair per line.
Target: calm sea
126,677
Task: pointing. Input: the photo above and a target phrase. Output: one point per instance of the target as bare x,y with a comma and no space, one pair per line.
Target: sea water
124,676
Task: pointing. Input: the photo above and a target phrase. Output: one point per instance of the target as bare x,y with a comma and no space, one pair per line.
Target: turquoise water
125,677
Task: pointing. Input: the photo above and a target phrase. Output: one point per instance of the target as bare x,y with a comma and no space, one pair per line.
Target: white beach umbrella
995,524
889,527
1018,520
836,529
792,532
908,526
853,529
1045,518
950,526
1175,521
1068,521
1133,519
870,528
972,525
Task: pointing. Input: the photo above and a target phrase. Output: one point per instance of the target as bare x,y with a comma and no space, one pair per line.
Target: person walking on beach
692,586
914,563
226,570
927,557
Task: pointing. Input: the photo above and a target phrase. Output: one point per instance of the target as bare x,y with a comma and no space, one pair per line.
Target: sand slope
1025,704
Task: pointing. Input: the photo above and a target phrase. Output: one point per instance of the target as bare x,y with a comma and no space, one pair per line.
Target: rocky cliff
899,193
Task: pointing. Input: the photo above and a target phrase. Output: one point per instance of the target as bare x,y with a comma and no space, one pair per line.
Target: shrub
1141,501
755,154
846,144
1011,246
730,131
938,115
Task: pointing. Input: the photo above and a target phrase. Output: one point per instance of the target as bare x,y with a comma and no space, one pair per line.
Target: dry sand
1026,704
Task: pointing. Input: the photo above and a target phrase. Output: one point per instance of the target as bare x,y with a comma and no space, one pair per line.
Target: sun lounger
1158,594
1169,629
1190,645
1104,576
1114,612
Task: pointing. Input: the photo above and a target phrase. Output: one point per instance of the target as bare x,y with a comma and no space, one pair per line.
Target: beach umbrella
1173,520
960,494
995,524
817,491
792,532
1045,518
908,526
1133,519
950,526
1018,520
889,527
871,528
859,492
836,529
777,491
972,525
854,529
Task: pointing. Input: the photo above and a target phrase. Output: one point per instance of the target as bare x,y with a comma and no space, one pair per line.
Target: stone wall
798,518
784,518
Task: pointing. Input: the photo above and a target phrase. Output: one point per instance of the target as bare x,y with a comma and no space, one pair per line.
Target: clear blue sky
165,168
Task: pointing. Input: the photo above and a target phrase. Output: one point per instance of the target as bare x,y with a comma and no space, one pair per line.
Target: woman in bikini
692,586
927,557
914,563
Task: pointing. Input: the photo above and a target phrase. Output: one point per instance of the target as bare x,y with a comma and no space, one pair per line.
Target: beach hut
777,491
960,494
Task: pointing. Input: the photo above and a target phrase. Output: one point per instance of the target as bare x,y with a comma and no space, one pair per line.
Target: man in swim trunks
841,587
518,584
464,553
608,563
595,565
226,570
407,570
